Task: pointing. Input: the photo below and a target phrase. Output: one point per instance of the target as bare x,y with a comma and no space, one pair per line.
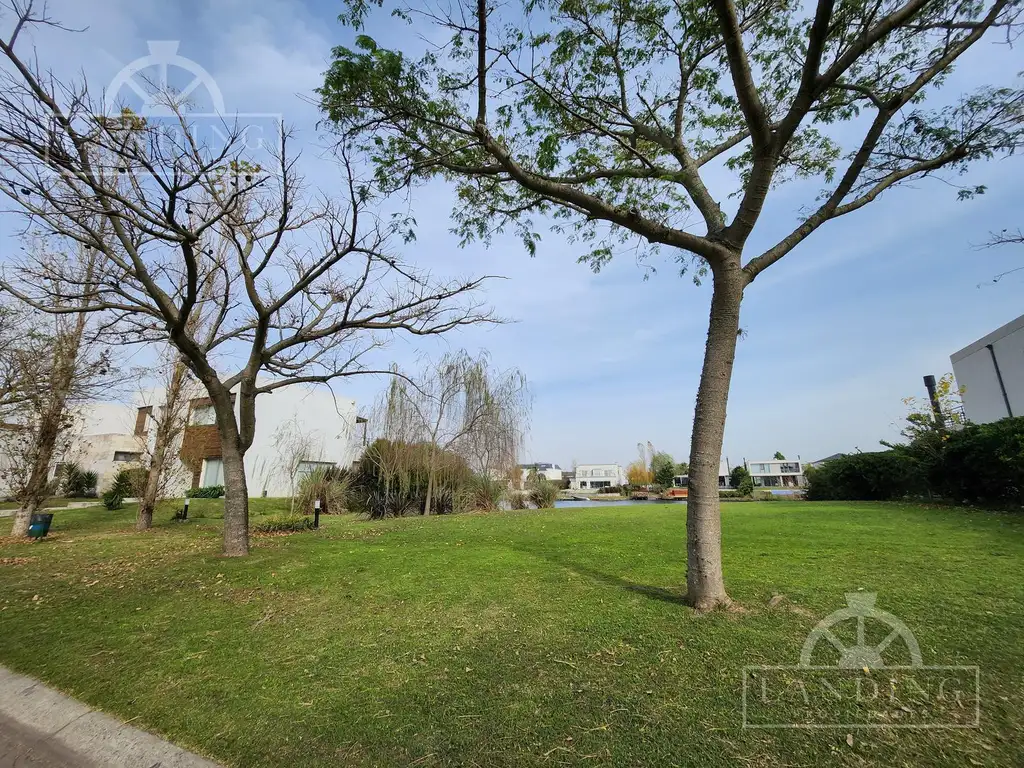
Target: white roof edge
998,333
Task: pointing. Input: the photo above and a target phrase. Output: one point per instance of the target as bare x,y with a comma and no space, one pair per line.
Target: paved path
41,728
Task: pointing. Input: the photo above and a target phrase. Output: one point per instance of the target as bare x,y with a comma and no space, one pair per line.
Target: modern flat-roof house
300,419
773,473
724,470
592,477
551,472
991,373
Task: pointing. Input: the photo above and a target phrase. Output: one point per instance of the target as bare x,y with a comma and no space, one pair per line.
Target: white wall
974,371
329,422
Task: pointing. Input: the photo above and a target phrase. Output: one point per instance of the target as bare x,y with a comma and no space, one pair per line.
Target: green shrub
392,477
517,500
543,494
282,523
206,492
120,489
878,476
77,483
610,489
328,484
983,464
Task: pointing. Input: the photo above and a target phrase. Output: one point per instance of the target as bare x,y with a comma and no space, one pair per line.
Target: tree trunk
705,588
430,490
236,499
51,422
147,505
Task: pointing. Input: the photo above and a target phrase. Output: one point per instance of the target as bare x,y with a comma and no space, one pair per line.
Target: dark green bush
282,523
878,476
983,464
206,492
78,483
121,488
610,489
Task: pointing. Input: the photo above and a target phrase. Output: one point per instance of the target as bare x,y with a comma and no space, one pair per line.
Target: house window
790,468
213,472
583,484
760,468
309,467
583,473
127,456
609,473
601,484
203,416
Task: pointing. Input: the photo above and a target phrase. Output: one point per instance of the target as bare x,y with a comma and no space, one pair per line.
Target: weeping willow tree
456,419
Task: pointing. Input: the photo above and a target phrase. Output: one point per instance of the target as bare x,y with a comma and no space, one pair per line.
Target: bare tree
459,405
170,417
294,445
306,288
71,371
610,121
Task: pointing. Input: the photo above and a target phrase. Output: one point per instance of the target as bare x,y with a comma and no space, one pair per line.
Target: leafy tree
663,468
607,121
682,468
638,474
740,479
778,456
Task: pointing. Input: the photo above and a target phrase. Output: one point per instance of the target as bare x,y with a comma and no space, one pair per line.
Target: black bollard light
184,512
316,513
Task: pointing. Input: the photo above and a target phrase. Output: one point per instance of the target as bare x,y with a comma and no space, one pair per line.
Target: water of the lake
617,503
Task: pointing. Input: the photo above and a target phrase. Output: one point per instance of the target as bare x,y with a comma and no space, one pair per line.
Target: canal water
617,503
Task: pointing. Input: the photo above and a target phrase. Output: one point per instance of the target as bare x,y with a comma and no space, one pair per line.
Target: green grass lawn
515,639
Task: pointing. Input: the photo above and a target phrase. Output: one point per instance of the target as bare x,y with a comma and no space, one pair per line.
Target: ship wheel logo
860,607
147,77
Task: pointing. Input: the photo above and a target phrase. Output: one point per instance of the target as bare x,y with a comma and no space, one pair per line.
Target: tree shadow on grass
654,593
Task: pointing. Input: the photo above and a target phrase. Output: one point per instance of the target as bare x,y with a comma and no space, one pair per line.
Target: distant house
773,473
592,477
551,472
724,483
991,373
819,462
321,425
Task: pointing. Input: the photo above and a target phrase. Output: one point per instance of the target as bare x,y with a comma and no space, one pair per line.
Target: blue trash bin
39,524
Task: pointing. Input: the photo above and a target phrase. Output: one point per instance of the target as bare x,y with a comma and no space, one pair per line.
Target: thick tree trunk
705,587
23,517
236,498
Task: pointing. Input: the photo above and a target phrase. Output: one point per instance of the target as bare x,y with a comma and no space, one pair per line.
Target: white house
991,372
551,472
724,470
591,477
775,473
301,424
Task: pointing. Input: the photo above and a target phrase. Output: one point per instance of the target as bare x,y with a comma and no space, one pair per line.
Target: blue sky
837,333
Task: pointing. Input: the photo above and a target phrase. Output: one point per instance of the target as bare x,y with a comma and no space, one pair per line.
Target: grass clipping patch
284,523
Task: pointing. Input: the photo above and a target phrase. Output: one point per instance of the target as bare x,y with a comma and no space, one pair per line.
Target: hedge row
979,464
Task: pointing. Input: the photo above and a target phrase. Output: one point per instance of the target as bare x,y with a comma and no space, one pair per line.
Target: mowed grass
518,639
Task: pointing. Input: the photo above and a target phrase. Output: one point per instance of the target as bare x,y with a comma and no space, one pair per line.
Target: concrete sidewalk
41,728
